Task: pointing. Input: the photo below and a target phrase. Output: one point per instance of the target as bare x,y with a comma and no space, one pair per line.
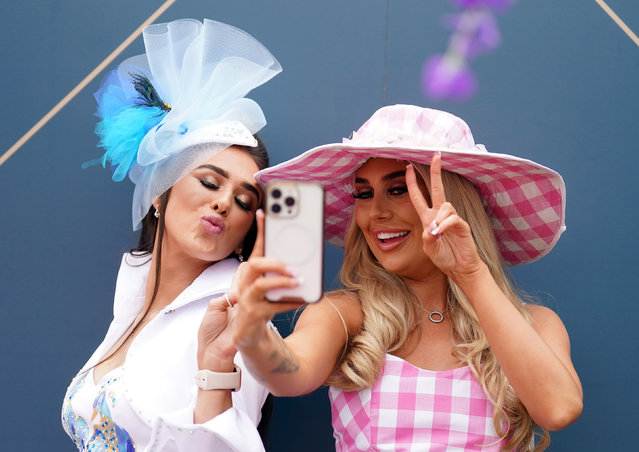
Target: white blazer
161,363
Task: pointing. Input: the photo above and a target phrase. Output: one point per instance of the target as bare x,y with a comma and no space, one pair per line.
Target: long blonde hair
391,312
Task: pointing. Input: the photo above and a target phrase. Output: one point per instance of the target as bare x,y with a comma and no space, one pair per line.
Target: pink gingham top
412,409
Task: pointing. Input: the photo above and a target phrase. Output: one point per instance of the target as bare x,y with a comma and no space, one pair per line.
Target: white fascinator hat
165,112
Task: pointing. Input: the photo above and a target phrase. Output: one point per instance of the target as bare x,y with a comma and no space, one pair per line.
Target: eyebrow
390,176
225,174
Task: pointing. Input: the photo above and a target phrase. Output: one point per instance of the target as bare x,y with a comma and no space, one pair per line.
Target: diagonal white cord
80,86
626,29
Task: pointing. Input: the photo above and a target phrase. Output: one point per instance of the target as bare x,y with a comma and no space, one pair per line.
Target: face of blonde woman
387,218
211,209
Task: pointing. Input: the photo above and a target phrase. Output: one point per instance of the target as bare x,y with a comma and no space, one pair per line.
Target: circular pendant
436,316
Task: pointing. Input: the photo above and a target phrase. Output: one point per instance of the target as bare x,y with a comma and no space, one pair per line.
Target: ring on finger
228,300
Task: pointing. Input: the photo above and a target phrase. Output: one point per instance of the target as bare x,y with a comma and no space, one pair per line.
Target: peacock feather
148,96
127,112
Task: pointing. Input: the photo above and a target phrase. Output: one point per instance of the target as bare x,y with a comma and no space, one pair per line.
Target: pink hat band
524,200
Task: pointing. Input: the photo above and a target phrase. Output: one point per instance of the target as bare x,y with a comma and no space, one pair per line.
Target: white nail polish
433,228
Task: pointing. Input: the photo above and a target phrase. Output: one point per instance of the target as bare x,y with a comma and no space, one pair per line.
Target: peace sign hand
447,239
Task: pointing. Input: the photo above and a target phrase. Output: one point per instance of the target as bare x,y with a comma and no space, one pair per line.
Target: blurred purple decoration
445,77
475,31
478,30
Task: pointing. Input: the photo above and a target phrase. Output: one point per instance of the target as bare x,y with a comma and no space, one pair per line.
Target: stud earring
157,213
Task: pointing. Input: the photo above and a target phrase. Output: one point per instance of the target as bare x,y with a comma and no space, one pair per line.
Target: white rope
80,86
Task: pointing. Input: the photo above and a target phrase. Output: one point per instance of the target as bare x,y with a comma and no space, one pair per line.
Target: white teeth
391,235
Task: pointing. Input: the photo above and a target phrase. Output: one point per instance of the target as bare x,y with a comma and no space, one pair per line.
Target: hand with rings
215,342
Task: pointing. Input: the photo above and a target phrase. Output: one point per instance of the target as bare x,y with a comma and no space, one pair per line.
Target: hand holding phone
294,234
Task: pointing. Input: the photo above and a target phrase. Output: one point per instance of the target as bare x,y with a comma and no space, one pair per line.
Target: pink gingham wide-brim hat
524,200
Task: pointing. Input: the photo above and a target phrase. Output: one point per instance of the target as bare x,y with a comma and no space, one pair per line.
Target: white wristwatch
207,379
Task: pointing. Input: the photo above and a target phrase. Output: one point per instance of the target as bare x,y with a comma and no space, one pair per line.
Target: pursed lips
213,224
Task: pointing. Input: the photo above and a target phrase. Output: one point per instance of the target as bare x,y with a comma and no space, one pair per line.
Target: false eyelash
148,96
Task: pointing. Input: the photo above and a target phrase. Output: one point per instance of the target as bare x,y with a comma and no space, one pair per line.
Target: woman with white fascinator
176,122
428,347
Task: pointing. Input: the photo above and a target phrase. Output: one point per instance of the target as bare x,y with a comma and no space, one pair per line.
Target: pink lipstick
213,224
387,239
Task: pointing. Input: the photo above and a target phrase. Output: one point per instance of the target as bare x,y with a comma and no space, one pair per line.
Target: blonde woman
428,346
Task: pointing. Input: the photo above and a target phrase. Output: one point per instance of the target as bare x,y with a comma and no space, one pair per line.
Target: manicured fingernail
290,271
297,281
433,228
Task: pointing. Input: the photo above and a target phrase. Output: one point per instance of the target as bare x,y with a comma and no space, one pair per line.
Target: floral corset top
98,417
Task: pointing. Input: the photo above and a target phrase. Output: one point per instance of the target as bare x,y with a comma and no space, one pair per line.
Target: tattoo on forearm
285,361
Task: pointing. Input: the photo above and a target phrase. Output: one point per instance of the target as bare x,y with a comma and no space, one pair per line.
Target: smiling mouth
385,237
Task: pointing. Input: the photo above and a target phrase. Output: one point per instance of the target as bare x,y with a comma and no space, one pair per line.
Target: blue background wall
562,89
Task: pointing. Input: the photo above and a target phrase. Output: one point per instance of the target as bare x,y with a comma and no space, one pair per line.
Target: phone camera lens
275,208
276,193
289,201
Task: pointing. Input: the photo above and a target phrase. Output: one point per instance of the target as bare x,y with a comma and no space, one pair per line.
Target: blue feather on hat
127,114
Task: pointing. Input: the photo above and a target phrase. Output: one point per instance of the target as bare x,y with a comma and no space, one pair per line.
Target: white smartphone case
294,234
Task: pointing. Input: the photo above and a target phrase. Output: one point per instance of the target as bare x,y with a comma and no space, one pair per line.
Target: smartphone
294,234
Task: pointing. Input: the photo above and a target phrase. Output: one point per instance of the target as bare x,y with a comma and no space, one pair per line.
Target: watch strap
208,380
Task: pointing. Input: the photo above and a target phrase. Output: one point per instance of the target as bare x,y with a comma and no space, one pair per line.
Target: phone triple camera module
282,199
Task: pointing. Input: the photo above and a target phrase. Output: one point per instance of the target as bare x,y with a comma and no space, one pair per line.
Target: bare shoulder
541,313
343,304
545,320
